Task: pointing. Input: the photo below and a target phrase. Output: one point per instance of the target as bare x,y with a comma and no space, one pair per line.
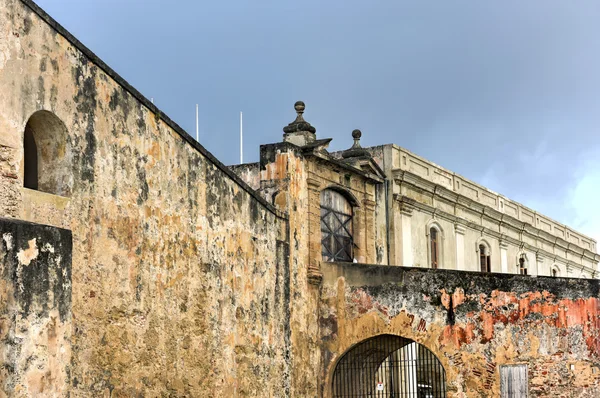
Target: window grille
389,366
336,227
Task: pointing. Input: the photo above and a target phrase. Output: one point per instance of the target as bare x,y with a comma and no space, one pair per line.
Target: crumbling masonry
134,263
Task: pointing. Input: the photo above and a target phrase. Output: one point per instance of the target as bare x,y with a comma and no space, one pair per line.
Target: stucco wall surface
35,309
472,322
180,283
283,176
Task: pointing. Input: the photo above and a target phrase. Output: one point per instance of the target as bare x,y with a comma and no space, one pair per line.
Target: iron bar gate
389,366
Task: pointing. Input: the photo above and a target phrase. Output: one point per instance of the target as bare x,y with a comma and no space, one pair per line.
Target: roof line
471,181
153,108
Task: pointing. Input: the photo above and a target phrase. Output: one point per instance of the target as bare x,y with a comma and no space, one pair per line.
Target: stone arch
484,242
47,155
389,365
344,192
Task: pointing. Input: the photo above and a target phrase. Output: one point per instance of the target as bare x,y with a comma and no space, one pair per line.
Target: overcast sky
505,93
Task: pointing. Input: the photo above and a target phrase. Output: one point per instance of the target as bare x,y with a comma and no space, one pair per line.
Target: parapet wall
35,309
472,322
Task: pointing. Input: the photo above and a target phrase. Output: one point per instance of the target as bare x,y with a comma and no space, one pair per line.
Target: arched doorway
389,366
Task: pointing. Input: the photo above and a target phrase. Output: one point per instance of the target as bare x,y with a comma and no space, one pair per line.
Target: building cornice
409,203
455,188
441,193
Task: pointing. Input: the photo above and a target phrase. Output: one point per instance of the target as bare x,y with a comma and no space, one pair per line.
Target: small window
514,381
47,155
554,272
522,266
484,258
336,227
434,247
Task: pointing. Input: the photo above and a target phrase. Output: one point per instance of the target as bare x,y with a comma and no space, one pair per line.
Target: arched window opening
434,247
389,366
555,272
30,155
336,227
47,155
522,265
485,263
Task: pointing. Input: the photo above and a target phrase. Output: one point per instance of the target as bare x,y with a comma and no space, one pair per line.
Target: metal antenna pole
241,141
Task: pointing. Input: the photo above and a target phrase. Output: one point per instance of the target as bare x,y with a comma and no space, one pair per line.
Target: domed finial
299,127
299,107
356,150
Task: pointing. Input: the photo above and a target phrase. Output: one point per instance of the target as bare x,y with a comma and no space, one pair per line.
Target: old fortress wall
134,263
179,277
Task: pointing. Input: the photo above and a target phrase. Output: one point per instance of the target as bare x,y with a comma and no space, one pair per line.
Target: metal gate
389,366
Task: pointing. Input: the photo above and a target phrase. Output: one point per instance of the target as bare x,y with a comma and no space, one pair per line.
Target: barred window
336,227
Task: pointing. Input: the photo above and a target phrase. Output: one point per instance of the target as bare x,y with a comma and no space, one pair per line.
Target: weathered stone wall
35,309
472,322
249,173
180,284
188,282
284,180
293,177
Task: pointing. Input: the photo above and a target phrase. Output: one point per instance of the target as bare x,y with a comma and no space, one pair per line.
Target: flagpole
197,123
241,141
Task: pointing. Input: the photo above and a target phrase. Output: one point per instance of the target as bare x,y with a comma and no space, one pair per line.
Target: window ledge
45,208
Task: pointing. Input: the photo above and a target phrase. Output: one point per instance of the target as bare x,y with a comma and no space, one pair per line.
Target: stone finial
356,150
299,132
299,107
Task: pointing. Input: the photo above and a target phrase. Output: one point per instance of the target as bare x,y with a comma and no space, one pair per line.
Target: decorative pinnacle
299,107
356,150
356,134
299,124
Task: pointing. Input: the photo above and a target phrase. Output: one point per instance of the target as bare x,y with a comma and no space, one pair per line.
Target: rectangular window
514,381
434,247
484,261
